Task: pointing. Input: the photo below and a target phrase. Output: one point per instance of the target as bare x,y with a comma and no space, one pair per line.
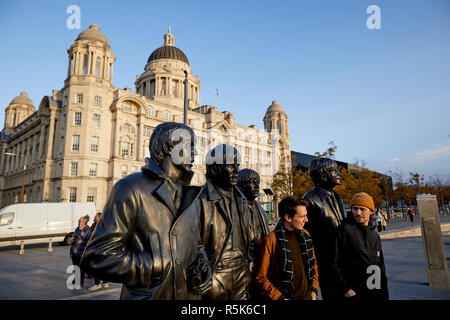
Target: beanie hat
363,199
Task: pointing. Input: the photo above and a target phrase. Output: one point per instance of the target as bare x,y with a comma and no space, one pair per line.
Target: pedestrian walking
358,255
411,214
98,284
383,220
79,241
379,219
287,267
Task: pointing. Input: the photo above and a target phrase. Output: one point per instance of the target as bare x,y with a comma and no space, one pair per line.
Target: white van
38,222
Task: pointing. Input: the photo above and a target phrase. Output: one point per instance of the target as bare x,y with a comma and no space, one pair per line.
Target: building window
133,169
93,170
79,98
175,88
76,143
96,120
98,100
97,67
166,115
150,111
197,124
126,128
147,131
74,169
125,148
77,119
85,64
124,171
163,86
72,194
94,144
92,192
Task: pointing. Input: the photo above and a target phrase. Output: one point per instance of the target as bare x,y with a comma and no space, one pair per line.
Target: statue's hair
161,141
246,174
318,169
220,155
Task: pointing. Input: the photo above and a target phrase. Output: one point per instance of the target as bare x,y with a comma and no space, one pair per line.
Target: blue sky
382,96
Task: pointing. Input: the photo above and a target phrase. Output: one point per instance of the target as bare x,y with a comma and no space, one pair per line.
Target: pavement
41,275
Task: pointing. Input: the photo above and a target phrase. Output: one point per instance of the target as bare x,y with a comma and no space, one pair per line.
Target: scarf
306,248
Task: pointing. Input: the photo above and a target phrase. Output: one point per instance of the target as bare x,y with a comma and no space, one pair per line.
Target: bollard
22,250
50,248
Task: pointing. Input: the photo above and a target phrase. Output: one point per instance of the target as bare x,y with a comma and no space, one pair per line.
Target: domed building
89,134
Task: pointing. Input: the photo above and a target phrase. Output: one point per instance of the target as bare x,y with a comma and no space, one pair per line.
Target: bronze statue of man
249,183
226,224
325,214
148,236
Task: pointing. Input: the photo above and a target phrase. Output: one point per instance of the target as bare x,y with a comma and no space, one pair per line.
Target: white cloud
437,152
394,160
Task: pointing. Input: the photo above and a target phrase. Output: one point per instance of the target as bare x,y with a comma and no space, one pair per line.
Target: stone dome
168,50
93,33
275,107
22,99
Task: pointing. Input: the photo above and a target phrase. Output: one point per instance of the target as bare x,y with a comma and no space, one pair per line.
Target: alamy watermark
74,280
74,20
374,280
374,20
261,150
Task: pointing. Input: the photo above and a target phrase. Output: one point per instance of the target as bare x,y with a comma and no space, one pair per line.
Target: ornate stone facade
86,136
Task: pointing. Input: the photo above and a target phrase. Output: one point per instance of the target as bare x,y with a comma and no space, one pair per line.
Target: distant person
411,214
372,221
383,220
98,284
379,219
358,248
287,267
79,241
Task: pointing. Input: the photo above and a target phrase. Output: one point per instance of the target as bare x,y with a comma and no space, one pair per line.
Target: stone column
41,140
68,67
51,129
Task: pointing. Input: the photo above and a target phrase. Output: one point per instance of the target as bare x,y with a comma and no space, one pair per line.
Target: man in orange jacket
287,265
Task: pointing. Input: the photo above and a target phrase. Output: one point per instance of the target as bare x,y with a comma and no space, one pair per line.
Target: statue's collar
323,193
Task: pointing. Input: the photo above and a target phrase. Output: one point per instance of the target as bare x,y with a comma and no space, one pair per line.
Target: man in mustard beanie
358,264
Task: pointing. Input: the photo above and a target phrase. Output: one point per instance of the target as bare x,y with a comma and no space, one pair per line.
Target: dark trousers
76,262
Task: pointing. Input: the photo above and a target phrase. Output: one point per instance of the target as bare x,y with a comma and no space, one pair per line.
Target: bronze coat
142,240
216,232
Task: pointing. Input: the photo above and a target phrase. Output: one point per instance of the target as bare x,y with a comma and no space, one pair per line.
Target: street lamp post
186,101
24,171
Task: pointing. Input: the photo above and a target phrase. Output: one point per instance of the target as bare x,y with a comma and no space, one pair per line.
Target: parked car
38,222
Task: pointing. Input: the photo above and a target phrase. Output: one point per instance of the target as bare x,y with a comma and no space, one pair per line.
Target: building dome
168,51
22,99
93,33
275,107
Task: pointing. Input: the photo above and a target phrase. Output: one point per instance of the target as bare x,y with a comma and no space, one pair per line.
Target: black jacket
216,233
357,248
143,241
324,217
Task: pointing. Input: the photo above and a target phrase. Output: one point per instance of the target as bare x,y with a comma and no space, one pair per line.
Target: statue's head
324,173
248,183
172,148
222,166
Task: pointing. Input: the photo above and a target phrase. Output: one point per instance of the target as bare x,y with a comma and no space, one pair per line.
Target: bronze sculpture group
164,239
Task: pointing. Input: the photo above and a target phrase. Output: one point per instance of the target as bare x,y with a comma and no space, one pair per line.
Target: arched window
85,64
166,115
98,62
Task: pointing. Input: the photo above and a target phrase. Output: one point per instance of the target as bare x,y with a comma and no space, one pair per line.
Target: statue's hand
199,274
